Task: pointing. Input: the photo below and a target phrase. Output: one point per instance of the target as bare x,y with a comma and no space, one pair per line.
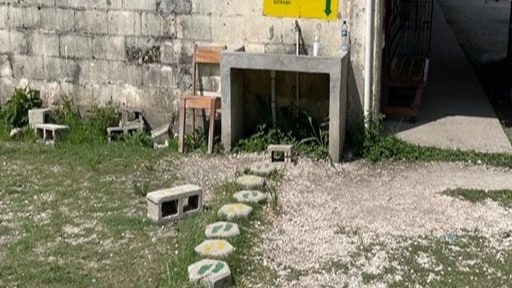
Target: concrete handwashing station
236,96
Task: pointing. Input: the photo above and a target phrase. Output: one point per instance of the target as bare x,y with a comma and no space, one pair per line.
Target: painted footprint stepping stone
211,273
222,230
265,168
232,211
251,182
253,196
214,248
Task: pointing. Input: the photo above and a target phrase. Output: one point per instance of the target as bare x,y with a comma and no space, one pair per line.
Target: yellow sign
318,9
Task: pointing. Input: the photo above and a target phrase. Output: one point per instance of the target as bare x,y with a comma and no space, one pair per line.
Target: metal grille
415,26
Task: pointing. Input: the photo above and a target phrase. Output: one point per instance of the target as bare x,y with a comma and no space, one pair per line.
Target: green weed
503,197
15,111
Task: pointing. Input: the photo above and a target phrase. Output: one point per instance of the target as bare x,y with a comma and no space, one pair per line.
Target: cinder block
122,73
91,21
59,69
175,203
50,133
225,29
94,72
48,19
113,4
65,19
45,44
45,3
75,46
287,150
177,52
152,24
109,47
20,42
124,23
157,76
15,17
37,116
202,7
4,16
30,67
31,18
42,3
139,5
5,66
196,27
4,41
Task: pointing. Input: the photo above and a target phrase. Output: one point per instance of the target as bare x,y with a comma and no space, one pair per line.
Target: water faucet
300,47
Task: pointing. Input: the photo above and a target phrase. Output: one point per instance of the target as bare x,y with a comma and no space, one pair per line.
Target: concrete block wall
139,52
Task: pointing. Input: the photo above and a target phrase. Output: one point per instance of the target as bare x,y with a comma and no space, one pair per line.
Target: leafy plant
317,145
140,189
85,130
102,117
138,139
263,137
15,111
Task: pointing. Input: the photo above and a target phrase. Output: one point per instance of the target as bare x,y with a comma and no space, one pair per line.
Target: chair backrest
204,55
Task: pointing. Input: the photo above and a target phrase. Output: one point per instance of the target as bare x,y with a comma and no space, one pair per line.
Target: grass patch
503,197
75,219
468,261
390,148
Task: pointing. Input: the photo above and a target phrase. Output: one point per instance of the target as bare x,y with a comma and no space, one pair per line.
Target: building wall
140,52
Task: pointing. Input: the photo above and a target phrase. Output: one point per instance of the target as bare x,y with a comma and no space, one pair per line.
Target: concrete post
377,56
509,53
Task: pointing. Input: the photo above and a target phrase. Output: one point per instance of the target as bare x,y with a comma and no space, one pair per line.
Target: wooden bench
406,76
50,133
198,99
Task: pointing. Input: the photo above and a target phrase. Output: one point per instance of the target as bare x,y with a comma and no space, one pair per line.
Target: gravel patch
383,203
207,172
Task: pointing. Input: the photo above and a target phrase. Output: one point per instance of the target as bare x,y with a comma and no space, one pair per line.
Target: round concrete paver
210,273
265,168
232,211
222,230
253,196
214,248
251,182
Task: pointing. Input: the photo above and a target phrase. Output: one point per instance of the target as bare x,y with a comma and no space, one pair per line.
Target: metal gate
416,26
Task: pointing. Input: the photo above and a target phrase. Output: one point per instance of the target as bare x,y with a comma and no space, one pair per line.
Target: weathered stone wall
139,52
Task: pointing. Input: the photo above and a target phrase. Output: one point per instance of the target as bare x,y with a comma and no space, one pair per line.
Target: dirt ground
337,215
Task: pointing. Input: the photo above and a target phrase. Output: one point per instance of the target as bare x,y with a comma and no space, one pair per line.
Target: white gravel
384,203
207,172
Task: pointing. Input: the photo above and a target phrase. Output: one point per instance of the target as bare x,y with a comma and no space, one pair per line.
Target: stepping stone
214,248
251,196
231,211
251,182
265,169
222,230
211,273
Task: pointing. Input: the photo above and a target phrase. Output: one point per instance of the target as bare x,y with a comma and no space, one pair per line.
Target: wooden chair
211,102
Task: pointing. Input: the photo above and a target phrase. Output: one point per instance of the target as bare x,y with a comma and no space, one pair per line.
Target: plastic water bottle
316,43
344,37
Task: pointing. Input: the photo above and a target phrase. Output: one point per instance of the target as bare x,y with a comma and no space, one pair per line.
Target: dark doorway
408,25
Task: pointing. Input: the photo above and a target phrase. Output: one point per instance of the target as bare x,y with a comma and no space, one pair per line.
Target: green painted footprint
228,227
205,268
216,229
